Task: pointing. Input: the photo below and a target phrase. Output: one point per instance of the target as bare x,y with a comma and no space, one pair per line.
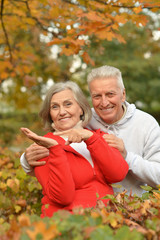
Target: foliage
16,188
138,60
47,38
126,216
10,124
69,24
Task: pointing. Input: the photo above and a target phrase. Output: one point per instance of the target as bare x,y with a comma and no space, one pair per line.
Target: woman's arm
109,159
55,176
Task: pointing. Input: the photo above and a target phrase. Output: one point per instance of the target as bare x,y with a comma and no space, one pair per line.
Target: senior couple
82,154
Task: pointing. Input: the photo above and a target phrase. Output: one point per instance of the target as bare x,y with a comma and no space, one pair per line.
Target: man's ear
124,95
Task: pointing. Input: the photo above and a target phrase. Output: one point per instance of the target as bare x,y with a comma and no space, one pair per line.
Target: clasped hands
73,135
39,149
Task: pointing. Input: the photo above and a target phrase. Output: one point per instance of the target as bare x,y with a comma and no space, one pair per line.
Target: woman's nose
62,110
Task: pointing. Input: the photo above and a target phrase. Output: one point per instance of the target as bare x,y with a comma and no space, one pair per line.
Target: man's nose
104,101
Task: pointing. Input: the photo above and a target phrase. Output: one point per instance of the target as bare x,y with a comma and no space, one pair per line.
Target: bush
125,217
10,124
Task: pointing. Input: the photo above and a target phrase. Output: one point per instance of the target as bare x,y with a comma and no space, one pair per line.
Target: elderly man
135,133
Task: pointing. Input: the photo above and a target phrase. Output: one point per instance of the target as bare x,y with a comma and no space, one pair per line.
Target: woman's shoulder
97,131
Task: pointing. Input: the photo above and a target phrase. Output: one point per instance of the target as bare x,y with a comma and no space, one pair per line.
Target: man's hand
34,153
115,142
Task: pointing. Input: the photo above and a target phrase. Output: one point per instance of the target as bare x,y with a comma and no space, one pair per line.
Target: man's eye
96,96
110,94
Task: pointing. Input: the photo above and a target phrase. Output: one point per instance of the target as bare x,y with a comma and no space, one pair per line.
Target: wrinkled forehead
101,83
63,94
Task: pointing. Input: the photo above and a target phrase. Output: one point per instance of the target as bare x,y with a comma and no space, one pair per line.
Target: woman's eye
68,104
54,107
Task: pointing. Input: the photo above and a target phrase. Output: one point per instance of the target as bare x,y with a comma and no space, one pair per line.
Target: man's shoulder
144,120
138,112
144,114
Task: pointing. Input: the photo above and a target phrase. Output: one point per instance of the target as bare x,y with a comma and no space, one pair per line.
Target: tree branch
122,5
4,30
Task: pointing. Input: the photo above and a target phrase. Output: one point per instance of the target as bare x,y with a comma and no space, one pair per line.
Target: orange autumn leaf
157,195
137,9
87,59
41,228
145,207
24,220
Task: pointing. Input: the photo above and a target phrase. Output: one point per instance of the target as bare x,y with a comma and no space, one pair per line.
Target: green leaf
116,185
146,188
102,232
125,234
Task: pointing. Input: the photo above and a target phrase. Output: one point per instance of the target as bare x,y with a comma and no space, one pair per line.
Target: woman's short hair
106,72
78,95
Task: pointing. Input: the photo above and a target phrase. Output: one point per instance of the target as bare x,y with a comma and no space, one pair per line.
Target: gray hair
78,96
106,72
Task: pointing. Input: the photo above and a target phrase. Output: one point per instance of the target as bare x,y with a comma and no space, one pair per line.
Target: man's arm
146,168
30,158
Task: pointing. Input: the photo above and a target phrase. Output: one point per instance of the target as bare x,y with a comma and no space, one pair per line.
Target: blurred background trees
46,41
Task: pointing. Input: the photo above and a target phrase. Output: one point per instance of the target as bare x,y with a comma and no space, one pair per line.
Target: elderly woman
81,166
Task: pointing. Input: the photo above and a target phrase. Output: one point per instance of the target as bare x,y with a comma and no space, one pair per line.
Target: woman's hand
42,141
75,135
115,142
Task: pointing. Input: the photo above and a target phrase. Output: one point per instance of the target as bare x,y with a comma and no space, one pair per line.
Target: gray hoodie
141,135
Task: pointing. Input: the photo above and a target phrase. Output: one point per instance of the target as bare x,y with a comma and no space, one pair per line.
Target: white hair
106,72
78,96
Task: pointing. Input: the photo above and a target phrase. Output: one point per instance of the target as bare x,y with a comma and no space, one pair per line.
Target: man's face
107,99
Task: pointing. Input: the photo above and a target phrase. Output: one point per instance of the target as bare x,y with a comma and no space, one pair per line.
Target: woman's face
64,110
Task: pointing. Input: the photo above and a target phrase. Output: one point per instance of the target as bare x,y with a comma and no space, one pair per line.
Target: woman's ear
82,114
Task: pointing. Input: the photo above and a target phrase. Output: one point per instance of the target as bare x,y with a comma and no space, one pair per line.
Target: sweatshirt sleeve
26,167
146,167
56,178
109,159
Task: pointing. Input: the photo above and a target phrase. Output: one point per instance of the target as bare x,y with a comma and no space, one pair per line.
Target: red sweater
68,180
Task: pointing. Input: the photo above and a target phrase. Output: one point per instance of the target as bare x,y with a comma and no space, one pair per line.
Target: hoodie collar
129,110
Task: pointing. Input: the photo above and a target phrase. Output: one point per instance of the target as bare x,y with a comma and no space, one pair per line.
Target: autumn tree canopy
68,23
40,39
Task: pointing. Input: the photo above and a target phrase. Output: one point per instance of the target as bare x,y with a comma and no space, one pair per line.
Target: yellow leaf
17,208
1,221
113,222
95,214
30,21
13,184
145,206
3,186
